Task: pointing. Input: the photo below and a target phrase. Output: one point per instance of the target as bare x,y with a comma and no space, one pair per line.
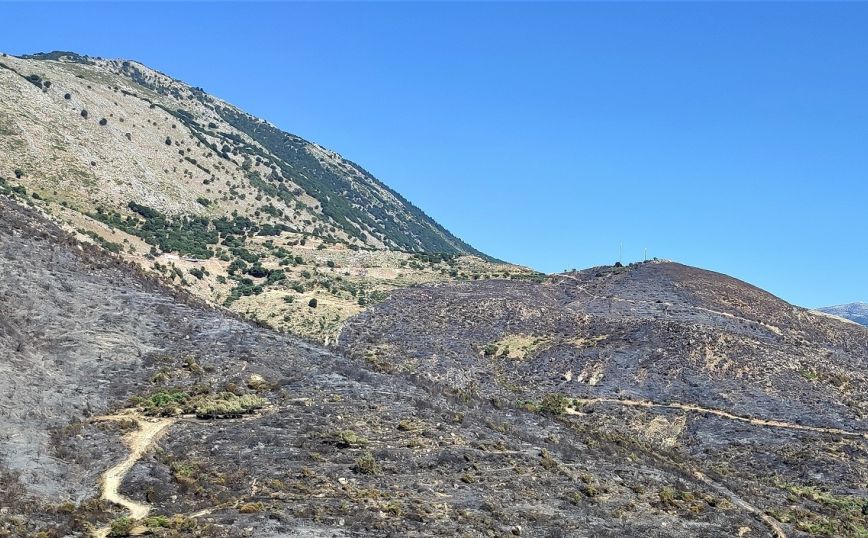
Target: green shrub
227,405
257,271
251,508
554,404
366,464
156,521
349,439
121,527
164,402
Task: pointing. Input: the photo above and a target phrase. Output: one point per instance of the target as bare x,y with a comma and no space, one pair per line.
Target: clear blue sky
729,136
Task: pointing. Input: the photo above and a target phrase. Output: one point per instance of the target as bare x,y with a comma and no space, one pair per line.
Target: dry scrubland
191,188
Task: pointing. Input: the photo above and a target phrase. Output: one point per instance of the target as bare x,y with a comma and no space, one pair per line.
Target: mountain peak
855,312
212,198
173,147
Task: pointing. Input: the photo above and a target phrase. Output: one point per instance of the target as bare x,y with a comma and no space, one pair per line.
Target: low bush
366,464
174,402
554,404
349,439
121,527
251,508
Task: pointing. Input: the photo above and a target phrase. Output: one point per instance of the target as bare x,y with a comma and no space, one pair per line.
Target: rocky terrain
219,202
212,328
857,312
649,400
765,398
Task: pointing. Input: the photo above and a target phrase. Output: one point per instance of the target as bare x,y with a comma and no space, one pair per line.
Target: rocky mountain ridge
219,202
151,139
856,312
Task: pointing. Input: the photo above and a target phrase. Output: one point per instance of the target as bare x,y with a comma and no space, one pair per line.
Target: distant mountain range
857,312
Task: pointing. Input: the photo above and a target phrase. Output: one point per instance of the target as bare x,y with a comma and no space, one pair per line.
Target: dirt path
777,530
771,423
741,503
139,442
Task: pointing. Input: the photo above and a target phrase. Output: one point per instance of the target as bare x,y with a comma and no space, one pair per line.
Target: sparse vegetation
349,439
173,402
366,464
554,404
121,527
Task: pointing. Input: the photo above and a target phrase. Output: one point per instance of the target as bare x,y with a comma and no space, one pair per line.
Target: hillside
857,312
766,398
656,399
172,266
123,396
222,203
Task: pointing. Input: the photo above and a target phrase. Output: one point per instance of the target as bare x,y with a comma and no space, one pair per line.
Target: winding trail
720,488
741,503
139,441
771,423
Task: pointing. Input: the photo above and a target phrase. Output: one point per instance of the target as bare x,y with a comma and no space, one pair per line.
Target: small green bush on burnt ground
554,404
348,439
177,525
174,402
121,526
366,464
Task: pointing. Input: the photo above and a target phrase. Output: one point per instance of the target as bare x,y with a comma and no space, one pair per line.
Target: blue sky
731,136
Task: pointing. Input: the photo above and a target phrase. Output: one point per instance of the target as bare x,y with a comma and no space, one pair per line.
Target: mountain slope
765,398
218,202
857,312
163,143
95,354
